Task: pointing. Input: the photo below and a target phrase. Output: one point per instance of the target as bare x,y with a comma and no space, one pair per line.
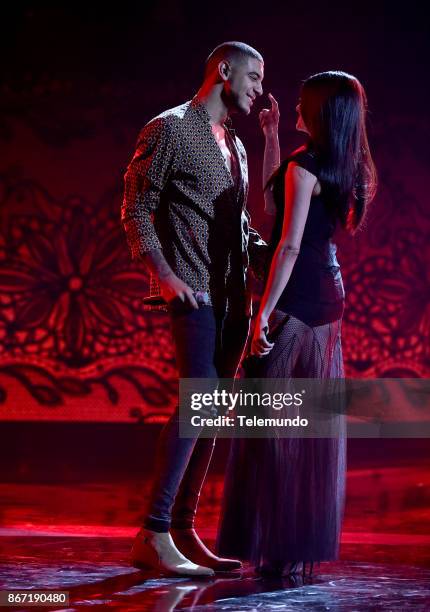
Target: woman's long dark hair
333,106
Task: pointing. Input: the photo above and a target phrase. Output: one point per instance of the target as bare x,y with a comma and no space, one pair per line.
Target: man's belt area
201,297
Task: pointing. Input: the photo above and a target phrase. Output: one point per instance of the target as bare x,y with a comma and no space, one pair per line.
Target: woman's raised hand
269,118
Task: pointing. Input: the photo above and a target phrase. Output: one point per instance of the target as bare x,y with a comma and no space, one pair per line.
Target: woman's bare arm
299,185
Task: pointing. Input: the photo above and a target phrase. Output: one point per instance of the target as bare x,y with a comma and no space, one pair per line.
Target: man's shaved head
233,77
230,52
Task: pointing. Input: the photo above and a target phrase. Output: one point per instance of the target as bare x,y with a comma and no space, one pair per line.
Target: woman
284,497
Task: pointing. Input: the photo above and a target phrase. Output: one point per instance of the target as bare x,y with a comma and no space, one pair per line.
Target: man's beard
234,104
240,104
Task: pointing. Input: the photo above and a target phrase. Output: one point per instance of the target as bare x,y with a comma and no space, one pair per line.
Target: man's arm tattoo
157,263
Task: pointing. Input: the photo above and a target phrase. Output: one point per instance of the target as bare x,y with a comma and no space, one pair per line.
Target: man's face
244,84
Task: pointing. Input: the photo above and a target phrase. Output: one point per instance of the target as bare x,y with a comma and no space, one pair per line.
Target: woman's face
300,125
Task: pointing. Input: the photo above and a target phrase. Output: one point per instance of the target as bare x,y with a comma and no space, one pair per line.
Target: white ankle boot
153,550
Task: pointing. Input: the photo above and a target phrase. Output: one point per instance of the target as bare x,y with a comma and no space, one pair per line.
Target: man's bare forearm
272,156
171,286
157,264
270,164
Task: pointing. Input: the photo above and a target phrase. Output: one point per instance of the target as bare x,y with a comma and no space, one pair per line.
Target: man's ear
224,70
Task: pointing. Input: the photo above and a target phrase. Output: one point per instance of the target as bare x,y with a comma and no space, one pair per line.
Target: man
184,215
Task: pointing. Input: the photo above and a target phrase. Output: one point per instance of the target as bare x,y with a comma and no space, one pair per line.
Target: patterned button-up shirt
180,197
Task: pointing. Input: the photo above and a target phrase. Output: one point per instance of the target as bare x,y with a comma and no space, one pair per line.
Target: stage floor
95,572
77,537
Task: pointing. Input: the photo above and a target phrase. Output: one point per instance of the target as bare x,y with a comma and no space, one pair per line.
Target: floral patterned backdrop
75,342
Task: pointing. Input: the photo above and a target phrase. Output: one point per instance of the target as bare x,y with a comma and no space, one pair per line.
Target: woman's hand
260,346
269,118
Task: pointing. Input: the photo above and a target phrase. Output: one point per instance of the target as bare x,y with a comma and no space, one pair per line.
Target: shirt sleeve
258,250
145,178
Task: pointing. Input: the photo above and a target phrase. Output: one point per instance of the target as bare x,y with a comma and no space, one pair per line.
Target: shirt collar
228,124
203,112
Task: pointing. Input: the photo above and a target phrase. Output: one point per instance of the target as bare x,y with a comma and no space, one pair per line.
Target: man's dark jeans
207,346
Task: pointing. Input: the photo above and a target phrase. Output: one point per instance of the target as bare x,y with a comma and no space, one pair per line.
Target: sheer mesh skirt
284,497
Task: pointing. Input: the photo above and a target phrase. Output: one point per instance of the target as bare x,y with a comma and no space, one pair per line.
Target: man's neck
211,99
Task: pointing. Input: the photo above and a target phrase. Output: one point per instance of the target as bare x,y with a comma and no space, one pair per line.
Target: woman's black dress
284,497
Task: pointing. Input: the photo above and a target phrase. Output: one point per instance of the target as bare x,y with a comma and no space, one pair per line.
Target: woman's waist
318,252
313,263
320,282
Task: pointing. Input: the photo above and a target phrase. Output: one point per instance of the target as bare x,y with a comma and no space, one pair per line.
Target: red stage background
75,343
